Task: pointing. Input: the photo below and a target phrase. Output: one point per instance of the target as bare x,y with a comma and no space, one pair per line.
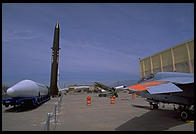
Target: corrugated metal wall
179,58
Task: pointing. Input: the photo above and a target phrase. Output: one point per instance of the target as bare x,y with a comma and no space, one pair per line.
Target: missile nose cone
57,24
11,92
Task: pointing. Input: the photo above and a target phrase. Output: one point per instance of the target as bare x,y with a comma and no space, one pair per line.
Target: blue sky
99,42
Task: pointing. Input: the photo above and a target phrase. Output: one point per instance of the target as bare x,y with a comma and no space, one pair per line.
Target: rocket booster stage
55,60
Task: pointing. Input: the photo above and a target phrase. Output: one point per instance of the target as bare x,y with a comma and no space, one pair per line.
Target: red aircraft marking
143,87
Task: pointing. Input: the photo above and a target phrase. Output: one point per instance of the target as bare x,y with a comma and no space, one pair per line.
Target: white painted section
81,87
164,88
27,88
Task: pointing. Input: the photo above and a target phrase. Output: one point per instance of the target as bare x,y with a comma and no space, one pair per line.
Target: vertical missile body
55,60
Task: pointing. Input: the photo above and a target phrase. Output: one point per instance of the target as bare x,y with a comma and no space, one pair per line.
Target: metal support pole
144,69
48,122
141,71
189,58
58,106
173,60
161,59
61,97
55,106
151,65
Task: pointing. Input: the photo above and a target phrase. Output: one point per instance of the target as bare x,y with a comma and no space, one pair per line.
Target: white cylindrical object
27,88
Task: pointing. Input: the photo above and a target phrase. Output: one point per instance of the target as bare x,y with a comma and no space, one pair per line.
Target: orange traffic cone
133,96
88,99
112,99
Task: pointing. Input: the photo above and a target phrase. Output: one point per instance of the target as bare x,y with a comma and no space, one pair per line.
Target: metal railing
53,114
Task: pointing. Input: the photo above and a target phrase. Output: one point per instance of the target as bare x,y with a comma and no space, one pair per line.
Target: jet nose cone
10,92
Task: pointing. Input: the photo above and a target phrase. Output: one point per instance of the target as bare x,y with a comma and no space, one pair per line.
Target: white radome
27,88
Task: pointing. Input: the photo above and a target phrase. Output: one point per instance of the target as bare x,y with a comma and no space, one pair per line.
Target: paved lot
75,115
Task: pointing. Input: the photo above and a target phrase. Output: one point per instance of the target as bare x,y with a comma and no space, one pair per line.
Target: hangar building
179,58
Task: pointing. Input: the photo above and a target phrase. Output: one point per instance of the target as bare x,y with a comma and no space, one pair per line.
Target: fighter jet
168,87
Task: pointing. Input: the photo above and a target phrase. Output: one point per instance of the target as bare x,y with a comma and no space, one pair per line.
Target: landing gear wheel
156,106
184,115
151,107
100,95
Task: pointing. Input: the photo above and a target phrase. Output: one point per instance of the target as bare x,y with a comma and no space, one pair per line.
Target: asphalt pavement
126,114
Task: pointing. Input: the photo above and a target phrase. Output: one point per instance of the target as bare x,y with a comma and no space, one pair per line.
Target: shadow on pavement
155,120
140,106
21,108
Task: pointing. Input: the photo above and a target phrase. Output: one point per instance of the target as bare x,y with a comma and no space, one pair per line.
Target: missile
55,59
30,91
27,88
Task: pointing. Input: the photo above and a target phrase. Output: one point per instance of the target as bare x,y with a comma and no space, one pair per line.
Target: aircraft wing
164,82
175,77
155,87
179,80
164,88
